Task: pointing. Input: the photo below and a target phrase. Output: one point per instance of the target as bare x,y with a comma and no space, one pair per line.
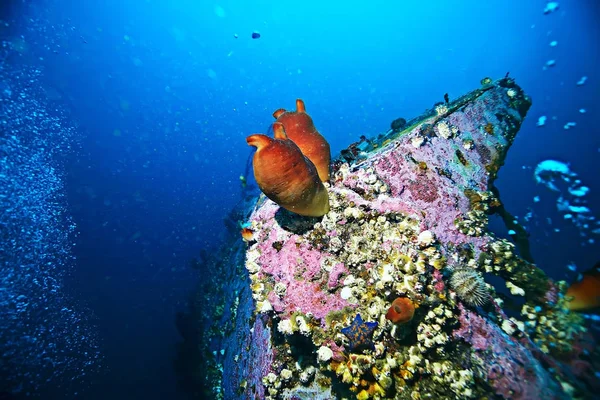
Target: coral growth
378,298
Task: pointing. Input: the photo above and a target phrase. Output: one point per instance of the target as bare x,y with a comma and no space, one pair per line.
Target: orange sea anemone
401,311
286,176
300,128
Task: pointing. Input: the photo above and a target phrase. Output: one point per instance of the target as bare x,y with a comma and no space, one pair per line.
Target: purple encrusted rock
406,211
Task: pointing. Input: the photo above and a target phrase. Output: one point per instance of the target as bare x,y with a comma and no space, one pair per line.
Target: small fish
551,6
541,120
247,234
585,293
255,35
235,35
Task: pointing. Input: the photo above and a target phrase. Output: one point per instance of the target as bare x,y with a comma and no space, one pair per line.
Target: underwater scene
299,200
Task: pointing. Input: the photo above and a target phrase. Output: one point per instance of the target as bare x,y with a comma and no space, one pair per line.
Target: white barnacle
514,289
324,354
285,326
426,238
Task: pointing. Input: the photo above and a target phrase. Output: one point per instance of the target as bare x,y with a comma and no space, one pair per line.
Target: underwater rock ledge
385,297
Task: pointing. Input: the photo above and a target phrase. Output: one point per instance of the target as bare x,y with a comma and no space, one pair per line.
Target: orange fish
300,128
585,293
247,234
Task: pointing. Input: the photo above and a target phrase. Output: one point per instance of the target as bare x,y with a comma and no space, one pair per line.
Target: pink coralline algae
423,189
258,357
438,281
334,275
507,365
298,268
431,178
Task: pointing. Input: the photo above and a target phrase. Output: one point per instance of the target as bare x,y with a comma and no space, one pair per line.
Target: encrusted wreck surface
408,221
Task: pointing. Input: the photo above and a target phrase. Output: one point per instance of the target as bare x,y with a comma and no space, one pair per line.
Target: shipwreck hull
302,309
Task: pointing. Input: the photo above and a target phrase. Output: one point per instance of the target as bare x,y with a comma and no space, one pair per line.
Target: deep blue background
164,96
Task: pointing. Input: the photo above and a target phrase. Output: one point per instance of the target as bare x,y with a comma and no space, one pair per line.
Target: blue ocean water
123,143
